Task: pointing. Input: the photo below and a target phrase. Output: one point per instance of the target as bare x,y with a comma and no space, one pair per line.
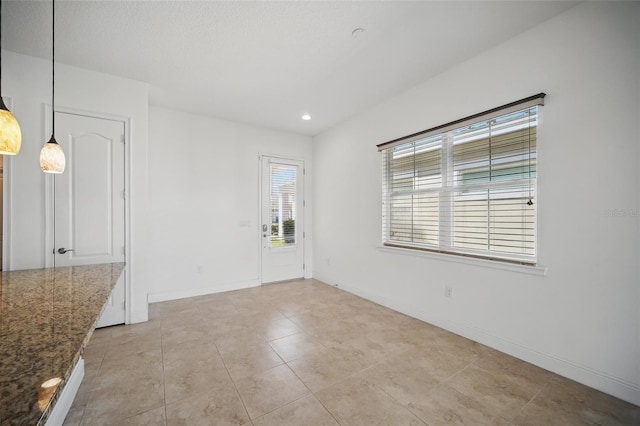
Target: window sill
505,266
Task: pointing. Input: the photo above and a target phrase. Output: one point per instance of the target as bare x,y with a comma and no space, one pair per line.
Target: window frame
444,133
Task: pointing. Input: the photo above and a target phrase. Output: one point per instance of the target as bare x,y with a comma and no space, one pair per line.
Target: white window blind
283,204
466,187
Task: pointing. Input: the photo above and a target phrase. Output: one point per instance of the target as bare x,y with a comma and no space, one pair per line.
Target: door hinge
304,171
122,139
304,203
304,266
124,194
124,250
304,235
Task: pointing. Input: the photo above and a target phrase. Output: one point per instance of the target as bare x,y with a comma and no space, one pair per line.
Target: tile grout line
91,391
313,394
398,402
164,387
543,387
439,385
282,406
235,387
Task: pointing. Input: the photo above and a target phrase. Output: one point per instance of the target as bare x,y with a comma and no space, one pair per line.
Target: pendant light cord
53,114
2,104
53,67
0,48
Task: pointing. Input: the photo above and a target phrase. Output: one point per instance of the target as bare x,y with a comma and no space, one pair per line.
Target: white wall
581,319
204,201
27,81
199,232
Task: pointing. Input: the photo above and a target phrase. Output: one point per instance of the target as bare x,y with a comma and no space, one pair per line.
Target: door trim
50,190
261,157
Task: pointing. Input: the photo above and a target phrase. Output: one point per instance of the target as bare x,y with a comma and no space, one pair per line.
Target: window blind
466,187
283,204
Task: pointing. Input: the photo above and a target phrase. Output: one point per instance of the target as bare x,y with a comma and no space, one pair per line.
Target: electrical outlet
448,291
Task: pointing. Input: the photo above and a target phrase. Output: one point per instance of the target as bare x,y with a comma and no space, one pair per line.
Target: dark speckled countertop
46,318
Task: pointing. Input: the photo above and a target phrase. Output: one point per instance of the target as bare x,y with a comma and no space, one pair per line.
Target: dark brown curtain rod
462,120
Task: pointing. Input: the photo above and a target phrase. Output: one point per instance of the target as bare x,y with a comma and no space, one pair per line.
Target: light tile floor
305,353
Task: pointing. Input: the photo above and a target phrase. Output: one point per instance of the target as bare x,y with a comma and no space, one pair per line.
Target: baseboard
614,386
202,291
137,317
69,391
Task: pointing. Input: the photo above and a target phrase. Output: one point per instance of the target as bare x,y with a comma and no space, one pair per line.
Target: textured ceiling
266,63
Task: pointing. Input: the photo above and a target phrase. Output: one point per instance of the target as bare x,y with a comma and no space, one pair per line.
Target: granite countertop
46,318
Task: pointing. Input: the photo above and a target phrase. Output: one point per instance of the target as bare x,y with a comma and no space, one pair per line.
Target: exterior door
89,200
282,225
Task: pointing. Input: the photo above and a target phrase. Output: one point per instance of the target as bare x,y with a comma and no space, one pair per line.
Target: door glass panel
283,204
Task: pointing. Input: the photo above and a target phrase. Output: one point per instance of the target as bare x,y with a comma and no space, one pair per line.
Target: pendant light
51,155
10,135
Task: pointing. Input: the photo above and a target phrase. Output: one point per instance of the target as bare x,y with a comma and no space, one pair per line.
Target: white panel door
282,225
89,199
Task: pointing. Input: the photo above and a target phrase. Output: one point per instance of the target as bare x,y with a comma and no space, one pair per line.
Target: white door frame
301,180
49,195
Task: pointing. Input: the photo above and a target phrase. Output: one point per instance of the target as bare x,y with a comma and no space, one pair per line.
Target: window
283,204
466,187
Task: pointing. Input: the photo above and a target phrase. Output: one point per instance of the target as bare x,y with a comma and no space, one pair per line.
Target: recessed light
306,117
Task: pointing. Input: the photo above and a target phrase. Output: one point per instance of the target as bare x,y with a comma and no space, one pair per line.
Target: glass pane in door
283,204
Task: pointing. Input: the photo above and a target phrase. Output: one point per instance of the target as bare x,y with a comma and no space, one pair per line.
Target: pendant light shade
10,135
51,155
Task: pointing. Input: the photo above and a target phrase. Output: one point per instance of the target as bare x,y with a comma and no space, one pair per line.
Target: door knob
63,250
